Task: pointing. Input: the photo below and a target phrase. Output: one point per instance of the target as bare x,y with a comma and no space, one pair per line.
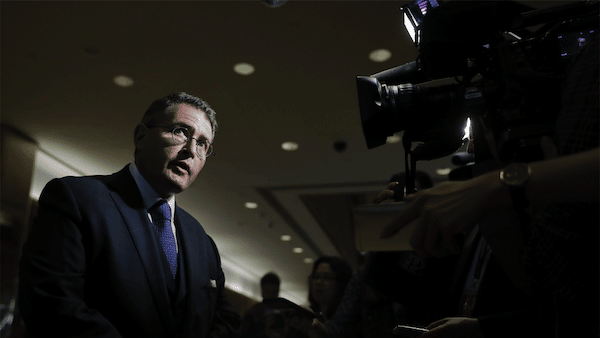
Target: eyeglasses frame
209,151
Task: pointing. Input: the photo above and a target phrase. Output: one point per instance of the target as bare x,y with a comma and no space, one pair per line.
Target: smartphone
408,331
284,304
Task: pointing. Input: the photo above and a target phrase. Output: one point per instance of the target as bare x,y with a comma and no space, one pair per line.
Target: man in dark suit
114,256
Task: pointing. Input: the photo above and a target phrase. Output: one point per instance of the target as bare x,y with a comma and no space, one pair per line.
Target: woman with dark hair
350,308
327,283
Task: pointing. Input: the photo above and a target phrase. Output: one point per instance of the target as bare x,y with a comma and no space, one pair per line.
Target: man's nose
190,147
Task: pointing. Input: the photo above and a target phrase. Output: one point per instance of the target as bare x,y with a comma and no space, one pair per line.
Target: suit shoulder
82,180
77,184
84,189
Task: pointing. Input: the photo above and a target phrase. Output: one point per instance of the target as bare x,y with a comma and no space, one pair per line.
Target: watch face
515,174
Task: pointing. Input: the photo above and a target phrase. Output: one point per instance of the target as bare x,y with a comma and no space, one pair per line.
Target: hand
454,327
444,210
299,322
275,326
387,195
311,326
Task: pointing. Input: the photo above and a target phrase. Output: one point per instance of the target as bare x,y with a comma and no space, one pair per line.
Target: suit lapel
188,249
129,202
194,256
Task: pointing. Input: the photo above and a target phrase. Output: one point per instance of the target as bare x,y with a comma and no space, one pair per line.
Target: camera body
507,79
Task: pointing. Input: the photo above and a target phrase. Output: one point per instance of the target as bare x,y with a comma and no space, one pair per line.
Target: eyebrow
181,124
192,130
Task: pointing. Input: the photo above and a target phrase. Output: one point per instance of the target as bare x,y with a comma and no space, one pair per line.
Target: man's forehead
185,110
188,116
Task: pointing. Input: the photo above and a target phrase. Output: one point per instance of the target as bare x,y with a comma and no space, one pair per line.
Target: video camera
507,77
501,64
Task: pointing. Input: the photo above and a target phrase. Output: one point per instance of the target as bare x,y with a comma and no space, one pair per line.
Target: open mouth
181,166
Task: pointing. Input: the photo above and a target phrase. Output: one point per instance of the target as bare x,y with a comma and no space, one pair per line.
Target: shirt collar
149,195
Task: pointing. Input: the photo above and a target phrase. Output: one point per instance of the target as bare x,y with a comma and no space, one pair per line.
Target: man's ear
139,135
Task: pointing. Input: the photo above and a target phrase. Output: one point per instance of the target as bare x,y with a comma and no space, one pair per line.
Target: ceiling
58,64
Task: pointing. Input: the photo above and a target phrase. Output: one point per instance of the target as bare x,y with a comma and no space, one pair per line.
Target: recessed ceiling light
298,250
289,146
443,171
243,68
123,81
308,260
251,205
286,238
380,55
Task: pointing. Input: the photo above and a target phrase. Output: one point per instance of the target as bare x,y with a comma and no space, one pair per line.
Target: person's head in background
269,285
422,181
327,284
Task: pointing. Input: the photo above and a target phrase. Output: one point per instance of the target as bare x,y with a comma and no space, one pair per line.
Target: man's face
169,168
270,290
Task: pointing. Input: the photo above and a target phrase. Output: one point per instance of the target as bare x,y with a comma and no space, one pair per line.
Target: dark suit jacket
91,267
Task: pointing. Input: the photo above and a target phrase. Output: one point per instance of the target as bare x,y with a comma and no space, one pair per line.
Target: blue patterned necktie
161,217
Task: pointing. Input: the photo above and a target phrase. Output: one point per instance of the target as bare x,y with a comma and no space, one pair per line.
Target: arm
347,313
252,322
571,178
312,327
444,210
344,320
515,324
454,327
53,269
226,320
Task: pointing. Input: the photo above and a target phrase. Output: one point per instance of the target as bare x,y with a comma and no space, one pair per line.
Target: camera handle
410,169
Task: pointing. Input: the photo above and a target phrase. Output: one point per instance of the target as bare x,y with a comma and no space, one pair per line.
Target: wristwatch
515,177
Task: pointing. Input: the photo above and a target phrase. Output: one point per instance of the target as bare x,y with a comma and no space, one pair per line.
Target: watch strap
515,176
517,195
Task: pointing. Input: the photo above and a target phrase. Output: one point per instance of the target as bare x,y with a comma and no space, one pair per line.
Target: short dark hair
163,104
269,278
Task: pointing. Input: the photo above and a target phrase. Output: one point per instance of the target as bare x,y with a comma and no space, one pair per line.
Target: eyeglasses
181,135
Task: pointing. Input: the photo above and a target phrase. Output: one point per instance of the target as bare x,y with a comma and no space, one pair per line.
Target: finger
410,213
437,323
388,201
434,334
392,186
410,198
383,196
387,194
